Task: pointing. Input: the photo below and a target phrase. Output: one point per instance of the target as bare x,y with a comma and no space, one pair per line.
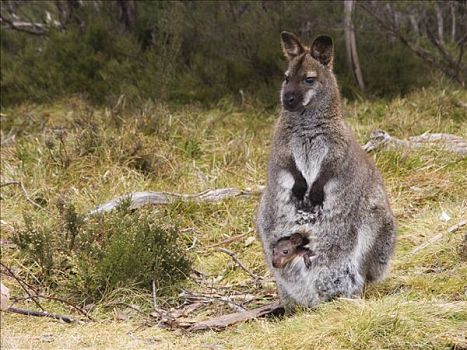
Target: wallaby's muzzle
292,101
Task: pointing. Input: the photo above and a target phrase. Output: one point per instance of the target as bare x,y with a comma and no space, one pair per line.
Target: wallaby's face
309,73
285,250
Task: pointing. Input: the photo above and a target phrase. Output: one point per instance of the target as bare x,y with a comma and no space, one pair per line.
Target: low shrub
88,257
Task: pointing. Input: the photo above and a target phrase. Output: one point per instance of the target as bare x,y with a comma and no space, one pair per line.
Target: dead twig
238,261
224,321
154,296
438,237
63,318
63,301
23,189
210,298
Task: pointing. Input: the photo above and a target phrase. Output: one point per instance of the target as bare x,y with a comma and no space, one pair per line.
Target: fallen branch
221,322
63,318
237,260
448,142
438,237
24,26
138,199
63,301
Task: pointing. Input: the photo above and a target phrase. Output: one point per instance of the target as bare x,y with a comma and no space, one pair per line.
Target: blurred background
195,51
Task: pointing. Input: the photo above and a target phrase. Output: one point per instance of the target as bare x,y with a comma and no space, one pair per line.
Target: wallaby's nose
290,101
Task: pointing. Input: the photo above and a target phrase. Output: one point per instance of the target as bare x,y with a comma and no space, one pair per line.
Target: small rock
250,240
444,216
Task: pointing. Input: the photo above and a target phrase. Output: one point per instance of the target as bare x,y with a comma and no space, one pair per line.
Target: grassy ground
67,151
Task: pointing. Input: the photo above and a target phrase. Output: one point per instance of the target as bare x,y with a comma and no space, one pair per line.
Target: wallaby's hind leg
377,262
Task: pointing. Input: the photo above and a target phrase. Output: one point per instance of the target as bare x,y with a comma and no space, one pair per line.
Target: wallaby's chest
308,154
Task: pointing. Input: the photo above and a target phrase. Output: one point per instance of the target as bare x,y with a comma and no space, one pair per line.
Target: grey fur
315,162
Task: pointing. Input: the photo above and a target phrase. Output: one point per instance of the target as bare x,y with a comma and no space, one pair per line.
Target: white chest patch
309,161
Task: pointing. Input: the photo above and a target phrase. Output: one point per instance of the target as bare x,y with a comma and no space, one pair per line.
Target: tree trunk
414,23
453,21
439,17
351,44
127,12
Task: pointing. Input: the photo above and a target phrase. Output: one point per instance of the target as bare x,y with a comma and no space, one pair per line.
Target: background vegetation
205,51
103,98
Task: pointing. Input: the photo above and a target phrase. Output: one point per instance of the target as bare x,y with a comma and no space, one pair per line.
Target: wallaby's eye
309,80
285,252
286,79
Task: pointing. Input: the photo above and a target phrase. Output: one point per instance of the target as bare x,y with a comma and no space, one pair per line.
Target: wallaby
286,249
320,180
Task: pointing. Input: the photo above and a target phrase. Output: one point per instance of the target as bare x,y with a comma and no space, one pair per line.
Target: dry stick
15,310
227,241
23,285
34,298
438,237
81,311
237,260
193,244
230,319
210,298
154,298
21,185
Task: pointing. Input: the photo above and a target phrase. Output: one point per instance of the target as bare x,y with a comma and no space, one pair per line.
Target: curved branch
24,26
139,199
449,142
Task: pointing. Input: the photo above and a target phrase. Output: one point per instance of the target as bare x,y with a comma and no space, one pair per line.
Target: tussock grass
67,153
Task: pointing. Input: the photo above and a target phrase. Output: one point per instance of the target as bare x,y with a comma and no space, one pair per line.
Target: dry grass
68,152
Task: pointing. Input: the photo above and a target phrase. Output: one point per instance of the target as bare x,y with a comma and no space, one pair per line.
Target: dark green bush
86,258
193,51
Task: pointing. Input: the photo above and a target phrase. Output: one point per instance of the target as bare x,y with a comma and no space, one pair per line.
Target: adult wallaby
320,181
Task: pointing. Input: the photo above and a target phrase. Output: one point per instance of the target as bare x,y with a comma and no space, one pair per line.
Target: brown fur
321,181
288,248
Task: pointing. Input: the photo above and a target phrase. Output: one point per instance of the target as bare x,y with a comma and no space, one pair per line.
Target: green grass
67,152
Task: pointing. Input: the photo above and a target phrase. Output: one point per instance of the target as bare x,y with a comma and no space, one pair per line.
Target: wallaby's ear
296,239
322,50
291,46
